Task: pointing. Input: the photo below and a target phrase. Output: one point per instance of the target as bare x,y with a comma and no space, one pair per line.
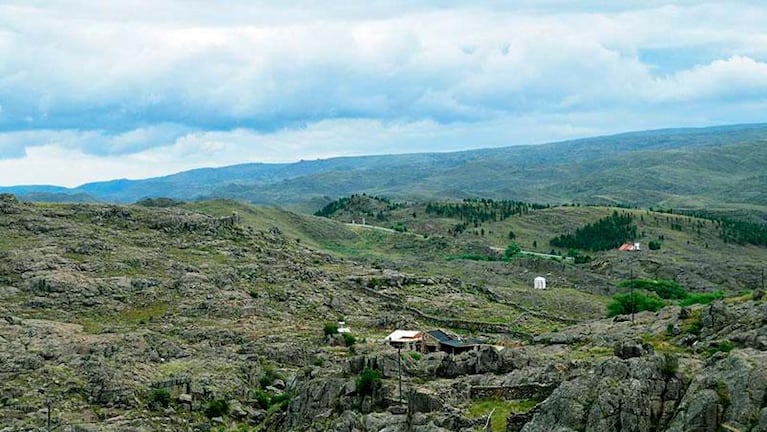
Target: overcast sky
93,90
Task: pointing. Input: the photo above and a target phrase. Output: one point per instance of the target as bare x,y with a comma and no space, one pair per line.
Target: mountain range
697,168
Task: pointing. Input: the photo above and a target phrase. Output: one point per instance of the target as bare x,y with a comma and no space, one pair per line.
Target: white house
539,282
406,339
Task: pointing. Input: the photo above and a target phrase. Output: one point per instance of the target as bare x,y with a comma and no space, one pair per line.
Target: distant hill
720,167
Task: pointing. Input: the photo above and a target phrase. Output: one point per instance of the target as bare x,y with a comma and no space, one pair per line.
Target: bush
701,298
368,381
330,329
724,346
268,377
217,408
511,251
415,355
627,303
161,397
654,245
263,399
349,339
281,398
665,288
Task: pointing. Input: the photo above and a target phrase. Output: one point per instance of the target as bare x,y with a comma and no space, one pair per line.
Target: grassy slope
695,255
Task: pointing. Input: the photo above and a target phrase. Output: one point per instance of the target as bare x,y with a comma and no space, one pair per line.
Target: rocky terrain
130,318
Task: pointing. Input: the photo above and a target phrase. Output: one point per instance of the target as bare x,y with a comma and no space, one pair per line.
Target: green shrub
701,298
724,346
278,399
349,339
511,251
627,303
670,329
263,399
415,355
217,408
268,377
693,325
665,288
399,227
670,364
330,329
368,381
161,397
654,245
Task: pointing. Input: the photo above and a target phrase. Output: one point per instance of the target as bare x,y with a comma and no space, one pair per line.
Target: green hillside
715,168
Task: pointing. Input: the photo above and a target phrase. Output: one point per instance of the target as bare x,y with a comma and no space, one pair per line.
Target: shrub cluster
368,381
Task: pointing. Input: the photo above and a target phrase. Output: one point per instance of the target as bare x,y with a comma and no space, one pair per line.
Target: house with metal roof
439,340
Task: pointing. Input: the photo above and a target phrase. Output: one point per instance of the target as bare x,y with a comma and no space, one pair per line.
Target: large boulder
637,394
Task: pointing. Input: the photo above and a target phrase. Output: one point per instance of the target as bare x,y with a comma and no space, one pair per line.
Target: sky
93,90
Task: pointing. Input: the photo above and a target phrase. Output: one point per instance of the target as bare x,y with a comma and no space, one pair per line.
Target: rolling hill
720,167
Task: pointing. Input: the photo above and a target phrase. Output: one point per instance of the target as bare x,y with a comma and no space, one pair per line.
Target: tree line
606,233
730,230
354,200
478,211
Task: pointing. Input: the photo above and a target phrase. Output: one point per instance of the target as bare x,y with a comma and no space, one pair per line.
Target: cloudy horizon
133,89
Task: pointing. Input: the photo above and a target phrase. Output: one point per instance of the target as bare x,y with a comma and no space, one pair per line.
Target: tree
368,381
623,304
511,251
330,329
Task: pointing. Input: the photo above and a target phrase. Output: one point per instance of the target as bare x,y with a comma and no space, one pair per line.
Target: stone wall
524,391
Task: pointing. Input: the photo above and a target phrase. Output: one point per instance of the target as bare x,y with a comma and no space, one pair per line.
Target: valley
214,315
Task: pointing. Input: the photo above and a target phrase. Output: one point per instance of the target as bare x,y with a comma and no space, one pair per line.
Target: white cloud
737,78
172,77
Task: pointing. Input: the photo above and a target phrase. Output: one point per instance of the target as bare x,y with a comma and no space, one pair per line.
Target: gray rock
634,394
626,349
236,409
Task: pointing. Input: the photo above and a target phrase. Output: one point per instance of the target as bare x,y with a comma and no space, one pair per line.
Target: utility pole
48,405
633,299
399,360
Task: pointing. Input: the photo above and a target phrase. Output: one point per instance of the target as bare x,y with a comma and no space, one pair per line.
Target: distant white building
539,282
343,328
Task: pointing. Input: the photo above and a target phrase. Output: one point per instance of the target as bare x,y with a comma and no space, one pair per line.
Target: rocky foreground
134,319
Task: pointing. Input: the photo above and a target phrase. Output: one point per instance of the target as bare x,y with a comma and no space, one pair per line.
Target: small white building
343,328
539,282
405,339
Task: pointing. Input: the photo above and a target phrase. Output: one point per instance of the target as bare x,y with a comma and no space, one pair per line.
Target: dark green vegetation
623,304
477,211
649,294
715,168
604,234
368,381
